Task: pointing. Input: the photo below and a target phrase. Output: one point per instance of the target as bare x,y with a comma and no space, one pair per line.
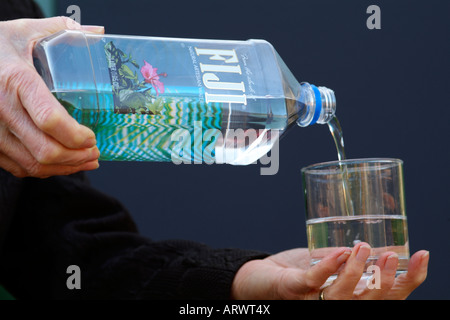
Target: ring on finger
322,293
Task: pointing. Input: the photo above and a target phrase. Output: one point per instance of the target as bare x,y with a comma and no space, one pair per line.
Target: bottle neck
318,105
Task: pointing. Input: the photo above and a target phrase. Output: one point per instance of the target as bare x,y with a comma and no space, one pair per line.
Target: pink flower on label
151,76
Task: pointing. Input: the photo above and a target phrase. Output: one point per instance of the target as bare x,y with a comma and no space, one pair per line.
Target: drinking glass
356,200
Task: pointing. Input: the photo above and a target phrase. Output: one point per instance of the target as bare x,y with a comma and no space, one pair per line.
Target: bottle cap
328,105
320,105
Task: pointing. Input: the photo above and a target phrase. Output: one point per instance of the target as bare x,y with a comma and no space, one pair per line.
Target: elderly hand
38,137
287,275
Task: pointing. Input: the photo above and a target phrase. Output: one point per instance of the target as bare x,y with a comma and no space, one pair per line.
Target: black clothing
46,225
62,221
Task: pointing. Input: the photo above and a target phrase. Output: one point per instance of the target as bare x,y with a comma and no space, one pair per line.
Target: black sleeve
62,221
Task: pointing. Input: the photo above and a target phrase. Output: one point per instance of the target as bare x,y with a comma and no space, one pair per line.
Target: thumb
40,28
26,32
48,26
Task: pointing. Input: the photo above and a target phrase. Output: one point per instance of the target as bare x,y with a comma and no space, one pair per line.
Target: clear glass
356,200
171,99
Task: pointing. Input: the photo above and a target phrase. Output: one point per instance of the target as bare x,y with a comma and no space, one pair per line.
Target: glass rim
324,167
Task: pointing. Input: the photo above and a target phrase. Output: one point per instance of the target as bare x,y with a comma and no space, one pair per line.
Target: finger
383,278
36,29
47,113
317,275
93,29
345,284
42,150
22,164
417,273
44,27
43,171
11,166
46,171
40,28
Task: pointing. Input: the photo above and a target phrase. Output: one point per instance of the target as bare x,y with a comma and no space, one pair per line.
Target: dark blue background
392,87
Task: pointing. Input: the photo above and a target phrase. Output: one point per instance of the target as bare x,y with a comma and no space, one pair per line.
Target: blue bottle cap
318,107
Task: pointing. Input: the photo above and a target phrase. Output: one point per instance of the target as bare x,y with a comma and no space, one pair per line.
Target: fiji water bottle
180,100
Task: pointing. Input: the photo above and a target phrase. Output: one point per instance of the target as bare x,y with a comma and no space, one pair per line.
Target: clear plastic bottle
168,99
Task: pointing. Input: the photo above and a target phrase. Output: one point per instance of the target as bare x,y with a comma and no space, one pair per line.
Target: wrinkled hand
287,275
38,137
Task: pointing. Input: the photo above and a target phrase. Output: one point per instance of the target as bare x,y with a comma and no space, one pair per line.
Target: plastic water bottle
180,100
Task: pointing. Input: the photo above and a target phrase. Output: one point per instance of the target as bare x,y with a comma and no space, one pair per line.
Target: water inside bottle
142,136
212,132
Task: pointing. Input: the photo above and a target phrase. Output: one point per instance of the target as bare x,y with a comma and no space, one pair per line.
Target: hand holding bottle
38,137
287,276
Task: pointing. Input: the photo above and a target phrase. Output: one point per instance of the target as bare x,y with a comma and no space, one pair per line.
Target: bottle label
211,75
136,88
157,92
216,63
182,97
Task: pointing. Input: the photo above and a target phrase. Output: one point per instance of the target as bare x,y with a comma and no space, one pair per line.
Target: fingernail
93,29
344,256
95,153
363,252
426,255
391,262
91,166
